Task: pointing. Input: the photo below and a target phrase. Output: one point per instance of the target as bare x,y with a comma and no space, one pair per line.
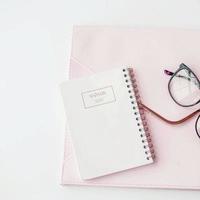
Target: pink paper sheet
148,51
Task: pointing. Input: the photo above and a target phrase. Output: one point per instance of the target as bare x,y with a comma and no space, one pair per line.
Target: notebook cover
149,51
109,135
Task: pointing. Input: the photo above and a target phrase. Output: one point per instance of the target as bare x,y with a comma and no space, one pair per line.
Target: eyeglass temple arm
169,73
169,121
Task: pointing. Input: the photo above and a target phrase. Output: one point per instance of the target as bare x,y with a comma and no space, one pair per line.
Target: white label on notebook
98,97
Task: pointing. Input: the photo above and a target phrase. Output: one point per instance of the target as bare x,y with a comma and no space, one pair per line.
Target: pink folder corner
148,51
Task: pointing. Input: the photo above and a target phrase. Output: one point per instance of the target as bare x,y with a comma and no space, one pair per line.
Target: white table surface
35,39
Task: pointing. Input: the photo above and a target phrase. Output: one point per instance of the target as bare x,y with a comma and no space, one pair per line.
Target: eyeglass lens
184,88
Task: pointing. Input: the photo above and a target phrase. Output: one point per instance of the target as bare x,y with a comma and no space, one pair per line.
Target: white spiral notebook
108,130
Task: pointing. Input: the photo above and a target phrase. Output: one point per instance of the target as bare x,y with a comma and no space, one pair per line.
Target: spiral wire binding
141,119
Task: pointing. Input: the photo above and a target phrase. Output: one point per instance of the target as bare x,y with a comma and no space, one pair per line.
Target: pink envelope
149,52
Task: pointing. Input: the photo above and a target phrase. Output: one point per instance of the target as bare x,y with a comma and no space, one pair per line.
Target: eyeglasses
184,89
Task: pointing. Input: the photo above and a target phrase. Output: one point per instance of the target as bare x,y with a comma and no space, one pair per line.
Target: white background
35,40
